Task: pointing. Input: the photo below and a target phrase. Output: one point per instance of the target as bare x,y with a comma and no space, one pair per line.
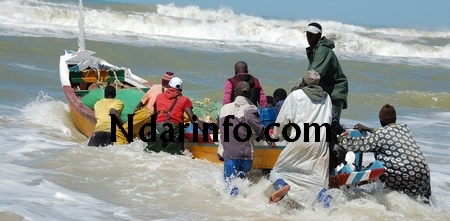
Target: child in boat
279,95
238,148
102,109
270,102
406,168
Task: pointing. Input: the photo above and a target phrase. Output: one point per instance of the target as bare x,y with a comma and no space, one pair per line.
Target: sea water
48,173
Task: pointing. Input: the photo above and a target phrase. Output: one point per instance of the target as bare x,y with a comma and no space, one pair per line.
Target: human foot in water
279,194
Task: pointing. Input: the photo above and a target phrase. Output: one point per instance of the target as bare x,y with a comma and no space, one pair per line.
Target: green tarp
129,97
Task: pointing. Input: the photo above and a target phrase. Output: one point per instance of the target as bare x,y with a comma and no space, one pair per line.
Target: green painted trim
77,76
110,79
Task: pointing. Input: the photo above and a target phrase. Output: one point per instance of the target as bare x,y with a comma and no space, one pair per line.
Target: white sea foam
49,116
192,25
26,160
29,67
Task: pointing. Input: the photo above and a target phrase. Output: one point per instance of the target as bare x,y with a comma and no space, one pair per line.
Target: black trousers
100,139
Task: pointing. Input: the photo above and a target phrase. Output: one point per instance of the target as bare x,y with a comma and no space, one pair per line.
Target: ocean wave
409,98
194,25
51,115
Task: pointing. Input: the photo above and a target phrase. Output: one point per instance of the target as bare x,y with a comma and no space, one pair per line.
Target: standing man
323,60
257,95
238,147
301,170
102,109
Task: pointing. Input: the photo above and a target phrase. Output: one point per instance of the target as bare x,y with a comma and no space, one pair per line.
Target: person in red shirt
169,107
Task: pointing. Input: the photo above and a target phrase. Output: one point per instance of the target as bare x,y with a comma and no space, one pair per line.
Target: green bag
129,97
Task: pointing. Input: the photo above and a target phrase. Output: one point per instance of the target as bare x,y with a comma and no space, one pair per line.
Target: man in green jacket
323,60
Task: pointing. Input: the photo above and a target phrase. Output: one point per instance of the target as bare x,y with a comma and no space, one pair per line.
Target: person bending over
237,153
169,107
102,109
394,145
301,170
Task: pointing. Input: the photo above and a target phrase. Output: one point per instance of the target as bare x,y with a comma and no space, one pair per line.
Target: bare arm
363,128
252,118
139,106
193,118
116,113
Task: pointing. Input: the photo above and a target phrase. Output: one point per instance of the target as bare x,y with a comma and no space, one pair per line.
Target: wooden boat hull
264,157
348,177
82,116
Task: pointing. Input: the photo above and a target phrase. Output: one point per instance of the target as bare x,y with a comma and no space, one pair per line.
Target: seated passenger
279,95
270,102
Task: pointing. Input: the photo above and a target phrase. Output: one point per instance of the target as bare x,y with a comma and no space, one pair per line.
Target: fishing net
129,97
206,109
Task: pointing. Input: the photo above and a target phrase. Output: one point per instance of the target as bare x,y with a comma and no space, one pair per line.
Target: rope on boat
116,81
140,89
99,78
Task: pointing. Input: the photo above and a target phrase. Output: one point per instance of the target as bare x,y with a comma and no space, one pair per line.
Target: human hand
200,124
273,136
359,126
341,136
271,144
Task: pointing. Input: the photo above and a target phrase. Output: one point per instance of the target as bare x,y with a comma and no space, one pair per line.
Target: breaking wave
192,25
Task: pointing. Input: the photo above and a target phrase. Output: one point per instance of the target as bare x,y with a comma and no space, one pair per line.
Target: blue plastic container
190,129
267,115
